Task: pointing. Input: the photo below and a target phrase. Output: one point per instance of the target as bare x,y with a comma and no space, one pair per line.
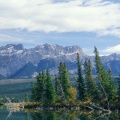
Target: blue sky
64,22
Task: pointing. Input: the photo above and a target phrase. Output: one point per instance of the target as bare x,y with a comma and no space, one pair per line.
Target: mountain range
19,62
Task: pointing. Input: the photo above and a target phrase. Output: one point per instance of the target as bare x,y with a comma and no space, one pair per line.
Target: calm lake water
8,114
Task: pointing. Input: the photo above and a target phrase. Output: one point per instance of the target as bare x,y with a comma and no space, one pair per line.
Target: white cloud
97,16
13,39
110,50
7,38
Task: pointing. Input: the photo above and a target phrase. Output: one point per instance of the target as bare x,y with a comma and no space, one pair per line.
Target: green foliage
45,115
50,90
92,88
27,116
64,80
26,97
33,93
16,90
57,85
63,93
43,90
104,77
38,88
41,86
80,81
118,91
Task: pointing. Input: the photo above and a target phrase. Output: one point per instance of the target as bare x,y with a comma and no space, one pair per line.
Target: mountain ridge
14,58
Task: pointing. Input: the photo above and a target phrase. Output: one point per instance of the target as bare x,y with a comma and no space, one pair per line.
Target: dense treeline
61,92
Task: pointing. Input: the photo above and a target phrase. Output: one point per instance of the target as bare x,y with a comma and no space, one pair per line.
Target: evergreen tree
60,69
63,79
40,86
112,86
104,78
43,91
50,90
26,97
118,91
92,88
59,89
56,85
33,94
80,81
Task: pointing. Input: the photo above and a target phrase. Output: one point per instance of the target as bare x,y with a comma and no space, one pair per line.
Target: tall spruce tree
40,86
64,80
60,69
104,78
59,90
92,88
50,90
80,81
43,99
118,91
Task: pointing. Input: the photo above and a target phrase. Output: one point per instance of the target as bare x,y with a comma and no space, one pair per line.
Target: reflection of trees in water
115,116
27,116
58,115
50,115
74,115
46,115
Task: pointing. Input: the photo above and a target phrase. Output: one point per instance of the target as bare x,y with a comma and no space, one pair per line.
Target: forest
89,92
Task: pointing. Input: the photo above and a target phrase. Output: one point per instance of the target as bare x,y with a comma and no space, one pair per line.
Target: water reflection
74,115
57,115
12,108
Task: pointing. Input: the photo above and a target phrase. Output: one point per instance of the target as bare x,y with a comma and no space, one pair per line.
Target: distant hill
114,66
26,72
48,63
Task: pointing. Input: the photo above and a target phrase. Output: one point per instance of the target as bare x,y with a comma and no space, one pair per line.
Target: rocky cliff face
18,62
15,57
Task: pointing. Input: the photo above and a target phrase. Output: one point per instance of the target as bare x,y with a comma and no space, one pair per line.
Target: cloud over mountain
113,49
99,16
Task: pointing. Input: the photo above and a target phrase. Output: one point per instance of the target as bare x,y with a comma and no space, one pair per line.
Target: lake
33,114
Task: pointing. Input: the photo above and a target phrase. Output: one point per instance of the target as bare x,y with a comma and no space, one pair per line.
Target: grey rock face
14,57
